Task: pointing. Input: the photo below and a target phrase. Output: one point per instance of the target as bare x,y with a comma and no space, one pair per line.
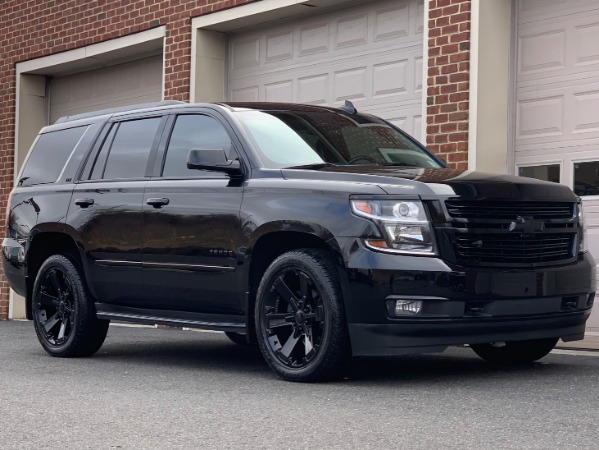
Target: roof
298,107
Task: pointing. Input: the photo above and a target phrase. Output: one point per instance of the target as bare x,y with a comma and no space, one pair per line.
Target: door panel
190,245
108,220
107,213
191,224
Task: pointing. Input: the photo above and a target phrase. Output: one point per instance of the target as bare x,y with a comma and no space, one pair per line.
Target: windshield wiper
313,166
399,164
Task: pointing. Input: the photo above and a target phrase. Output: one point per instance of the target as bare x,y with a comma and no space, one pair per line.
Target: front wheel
63,313
516,352
300,321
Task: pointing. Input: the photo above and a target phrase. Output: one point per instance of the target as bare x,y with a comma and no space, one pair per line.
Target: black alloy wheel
63,314
55,308
300,320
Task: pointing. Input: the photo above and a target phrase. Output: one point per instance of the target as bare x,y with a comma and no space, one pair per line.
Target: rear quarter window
49,156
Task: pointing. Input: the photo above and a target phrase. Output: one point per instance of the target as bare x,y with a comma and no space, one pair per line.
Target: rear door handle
84,202
157,202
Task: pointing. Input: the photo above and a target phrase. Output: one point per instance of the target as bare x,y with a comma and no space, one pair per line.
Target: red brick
457,77
449,10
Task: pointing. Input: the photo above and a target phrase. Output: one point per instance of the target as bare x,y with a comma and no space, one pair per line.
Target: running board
218,322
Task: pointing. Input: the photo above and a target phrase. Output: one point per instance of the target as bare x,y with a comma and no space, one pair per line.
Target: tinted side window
194,131
49,156
98,169
130,149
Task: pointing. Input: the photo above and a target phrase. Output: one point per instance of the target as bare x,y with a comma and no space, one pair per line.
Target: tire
300,321
63,313
516,352
238,338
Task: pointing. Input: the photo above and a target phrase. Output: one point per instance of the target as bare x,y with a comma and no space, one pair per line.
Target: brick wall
34,28
448,80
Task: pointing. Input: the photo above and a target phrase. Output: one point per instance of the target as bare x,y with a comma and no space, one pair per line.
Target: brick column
177,60
448,87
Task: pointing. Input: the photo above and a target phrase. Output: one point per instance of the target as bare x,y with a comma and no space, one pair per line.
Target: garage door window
549,172
586,178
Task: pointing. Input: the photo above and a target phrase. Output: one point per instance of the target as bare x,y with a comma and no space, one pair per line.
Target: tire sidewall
297,260
68,267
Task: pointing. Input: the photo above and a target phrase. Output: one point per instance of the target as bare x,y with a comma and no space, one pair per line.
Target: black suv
317,233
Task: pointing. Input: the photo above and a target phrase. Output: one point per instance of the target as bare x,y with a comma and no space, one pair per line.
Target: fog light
408,307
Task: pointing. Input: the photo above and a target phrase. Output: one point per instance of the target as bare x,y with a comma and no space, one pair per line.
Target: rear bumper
460,305
13,262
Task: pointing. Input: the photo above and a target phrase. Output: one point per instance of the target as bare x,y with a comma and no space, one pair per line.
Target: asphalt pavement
155,388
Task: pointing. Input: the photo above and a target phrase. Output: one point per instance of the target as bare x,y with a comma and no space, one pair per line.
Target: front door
192,226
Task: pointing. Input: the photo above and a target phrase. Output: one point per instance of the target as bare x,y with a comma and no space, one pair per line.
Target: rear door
191,224
106,211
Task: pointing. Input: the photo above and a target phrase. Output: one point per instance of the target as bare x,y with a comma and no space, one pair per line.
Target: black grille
488,233
514,248
510,210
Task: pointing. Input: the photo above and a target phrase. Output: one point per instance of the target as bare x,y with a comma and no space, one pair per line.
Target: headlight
582,246
404,223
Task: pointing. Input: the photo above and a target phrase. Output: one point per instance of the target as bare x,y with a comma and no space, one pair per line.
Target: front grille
507,248
510,210
509,233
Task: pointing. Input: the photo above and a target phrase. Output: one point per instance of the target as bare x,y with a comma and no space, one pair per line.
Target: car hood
439,182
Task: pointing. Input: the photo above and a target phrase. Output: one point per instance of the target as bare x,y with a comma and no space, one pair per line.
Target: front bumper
460,305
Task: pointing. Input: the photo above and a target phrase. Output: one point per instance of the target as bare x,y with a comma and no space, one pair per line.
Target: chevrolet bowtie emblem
526,226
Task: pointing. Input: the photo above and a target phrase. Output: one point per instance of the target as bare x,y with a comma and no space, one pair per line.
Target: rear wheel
515,352
300,321
63,313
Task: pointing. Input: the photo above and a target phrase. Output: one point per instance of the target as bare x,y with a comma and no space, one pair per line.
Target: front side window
49,156
194,132
127,156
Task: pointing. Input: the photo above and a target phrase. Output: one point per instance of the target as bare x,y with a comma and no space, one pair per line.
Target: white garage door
557,130
371,55
119,85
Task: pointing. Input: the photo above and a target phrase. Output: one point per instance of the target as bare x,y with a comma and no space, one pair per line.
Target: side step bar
217,322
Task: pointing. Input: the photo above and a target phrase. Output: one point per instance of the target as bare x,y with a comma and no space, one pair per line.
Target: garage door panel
244,69
560,111
533,11
371,55
557,97
558,48
245,94
120,85
314,89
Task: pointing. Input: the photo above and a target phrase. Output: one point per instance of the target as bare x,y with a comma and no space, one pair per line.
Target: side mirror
214,159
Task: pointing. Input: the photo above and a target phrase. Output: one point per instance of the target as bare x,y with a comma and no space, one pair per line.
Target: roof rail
117,109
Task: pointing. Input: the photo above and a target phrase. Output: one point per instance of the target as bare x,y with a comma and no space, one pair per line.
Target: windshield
314,137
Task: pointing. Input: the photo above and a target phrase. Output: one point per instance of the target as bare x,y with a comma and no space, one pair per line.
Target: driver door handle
84,202
157,202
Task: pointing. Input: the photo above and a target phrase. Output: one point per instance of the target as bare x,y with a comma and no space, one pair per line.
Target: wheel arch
40,246
272,240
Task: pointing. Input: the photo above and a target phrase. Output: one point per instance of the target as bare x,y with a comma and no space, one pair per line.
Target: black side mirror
214,159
